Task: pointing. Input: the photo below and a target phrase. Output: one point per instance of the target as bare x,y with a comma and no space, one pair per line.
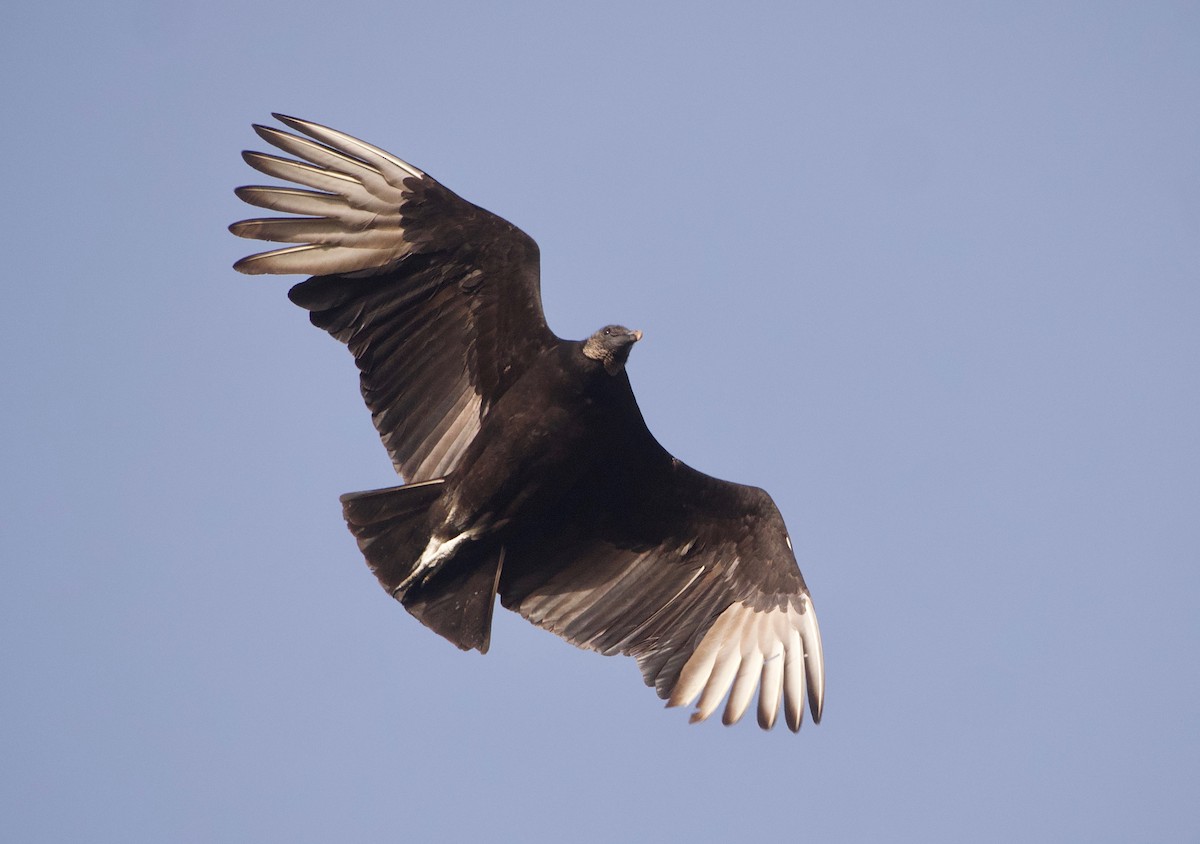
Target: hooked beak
636,335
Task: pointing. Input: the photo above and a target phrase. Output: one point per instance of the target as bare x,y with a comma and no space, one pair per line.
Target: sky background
927,272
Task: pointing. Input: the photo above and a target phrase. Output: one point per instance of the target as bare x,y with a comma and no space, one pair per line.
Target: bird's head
611,346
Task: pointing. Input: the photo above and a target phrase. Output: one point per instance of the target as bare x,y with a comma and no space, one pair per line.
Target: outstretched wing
693,576
438,299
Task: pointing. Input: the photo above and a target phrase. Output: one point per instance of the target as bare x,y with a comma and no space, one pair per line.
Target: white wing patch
778,651
354,220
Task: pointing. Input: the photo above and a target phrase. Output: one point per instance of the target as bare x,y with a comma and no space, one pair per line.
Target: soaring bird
530,472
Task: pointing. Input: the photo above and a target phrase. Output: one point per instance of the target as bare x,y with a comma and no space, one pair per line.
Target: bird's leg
435,555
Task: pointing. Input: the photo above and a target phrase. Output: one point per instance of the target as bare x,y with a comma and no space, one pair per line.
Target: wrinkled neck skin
614,363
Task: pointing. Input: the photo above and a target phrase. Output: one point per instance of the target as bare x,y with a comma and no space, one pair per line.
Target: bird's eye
608,332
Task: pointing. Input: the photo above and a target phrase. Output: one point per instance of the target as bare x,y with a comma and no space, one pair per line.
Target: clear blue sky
927,272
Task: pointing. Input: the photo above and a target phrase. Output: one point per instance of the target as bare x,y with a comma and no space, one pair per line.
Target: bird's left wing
693,576
438,299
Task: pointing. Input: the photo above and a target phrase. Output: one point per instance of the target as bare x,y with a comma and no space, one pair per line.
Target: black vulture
530,473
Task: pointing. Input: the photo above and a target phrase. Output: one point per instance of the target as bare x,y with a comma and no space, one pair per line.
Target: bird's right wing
438,299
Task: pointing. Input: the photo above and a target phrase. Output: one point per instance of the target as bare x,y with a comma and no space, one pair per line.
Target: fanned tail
392,528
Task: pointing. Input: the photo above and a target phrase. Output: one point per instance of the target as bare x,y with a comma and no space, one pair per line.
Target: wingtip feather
814,660
346,143
748,673
793,681
772,642
724,669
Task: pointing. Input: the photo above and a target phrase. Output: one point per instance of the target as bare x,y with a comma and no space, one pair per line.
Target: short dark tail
392,527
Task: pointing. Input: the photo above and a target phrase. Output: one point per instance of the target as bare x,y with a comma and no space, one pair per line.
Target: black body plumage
531,473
